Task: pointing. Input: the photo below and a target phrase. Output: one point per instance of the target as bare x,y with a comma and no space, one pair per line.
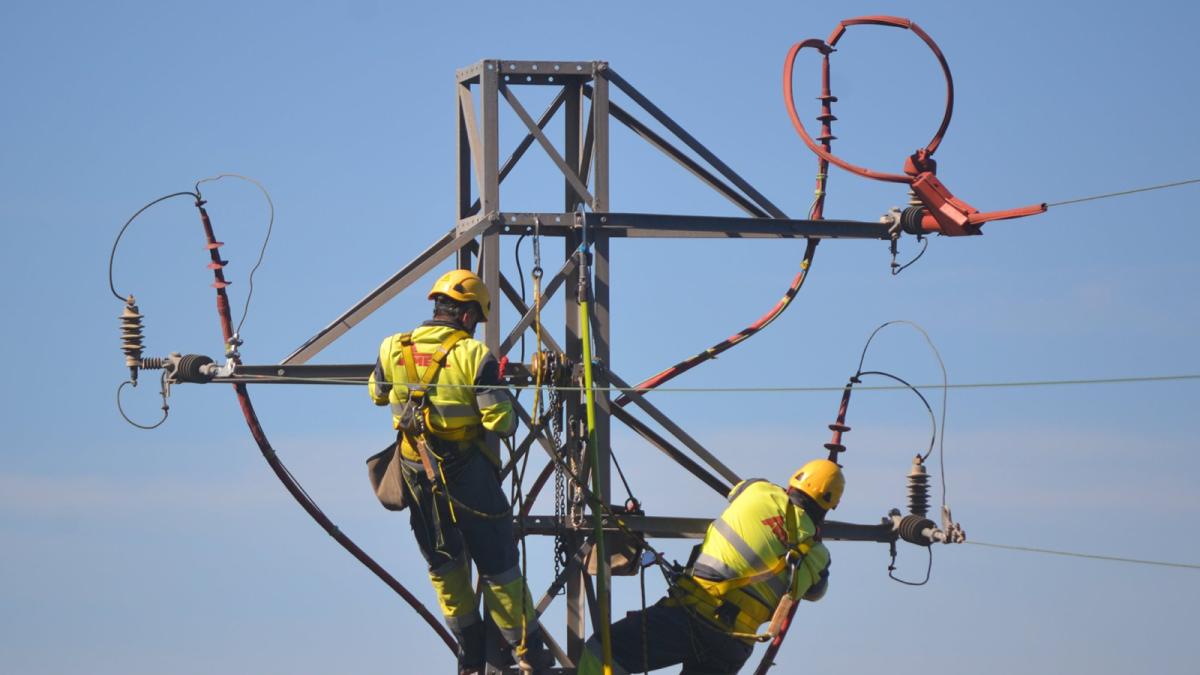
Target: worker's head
462,297
818,487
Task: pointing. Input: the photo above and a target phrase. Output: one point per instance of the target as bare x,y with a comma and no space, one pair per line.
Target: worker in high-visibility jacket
445,391
765,546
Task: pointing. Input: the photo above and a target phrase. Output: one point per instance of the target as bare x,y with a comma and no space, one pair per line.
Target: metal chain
561,552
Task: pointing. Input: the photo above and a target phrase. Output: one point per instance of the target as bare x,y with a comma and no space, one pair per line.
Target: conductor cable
1090,556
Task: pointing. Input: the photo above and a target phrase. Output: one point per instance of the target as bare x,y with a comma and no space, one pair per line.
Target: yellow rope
537,322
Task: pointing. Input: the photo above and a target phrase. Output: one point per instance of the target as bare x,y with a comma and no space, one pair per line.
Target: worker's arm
812,579
494,401
378,384
817,590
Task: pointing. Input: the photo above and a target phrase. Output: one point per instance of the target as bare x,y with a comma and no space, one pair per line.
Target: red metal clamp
942,212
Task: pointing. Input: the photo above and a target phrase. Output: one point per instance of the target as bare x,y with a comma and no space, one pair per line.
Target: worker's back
461,402
742,570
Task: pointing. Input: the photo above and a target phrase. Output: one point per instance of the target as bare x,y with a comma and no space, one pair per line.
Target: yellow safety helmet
464,286
822,480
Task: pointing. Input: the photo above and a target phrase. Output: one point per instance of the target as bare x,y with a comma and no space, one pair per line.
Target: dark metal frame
475,241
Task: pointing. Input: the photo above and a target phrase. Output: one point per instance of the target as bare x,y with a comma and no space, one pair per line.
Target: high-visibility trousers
446,533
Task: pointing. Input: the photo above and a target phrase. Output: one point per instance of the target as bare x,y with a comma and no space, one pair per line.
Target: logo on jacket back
421,360
777,528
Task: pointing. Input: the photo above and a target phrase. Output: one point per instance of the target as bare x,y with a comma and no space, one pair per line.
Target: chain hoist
554,371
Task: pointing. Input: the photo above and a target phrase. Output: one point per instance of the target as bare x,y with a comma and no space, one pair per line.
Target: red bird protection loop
941,211
827,48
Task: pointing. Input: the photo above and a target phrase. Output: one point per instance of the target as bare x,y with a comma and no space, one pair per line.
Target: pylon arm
660,225
333,373
889,528
516,374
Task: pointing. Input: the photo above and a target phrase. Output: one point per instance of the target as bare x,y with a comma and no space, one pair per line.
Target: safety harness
415,425
413,421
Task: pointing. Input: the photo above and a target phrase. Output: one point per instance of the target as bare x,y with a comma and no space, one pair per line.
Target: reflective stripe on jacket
465,396
742,570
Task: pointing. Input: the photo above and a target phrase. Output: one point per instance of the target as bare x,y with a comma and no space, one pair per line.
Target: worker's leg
442,546
714,651
656,638
489,539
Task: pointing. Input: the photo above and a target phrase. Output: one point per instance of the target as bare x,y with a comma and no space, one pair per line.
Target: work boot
471,649
535,659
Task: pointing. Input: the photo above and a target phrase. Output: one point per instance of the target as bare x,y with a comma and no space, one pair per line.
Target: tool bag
385,469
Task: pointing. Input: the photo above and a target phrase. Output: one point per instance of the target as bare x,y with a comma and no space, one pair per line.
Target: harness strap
419,386
437,360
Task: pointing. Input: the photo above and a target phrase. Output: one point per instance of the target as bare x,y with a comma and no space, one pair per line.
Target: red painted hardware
944,213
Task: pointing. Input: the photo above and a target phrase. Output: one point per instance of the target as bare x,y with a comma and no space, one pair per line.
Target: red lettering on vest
422,360
777,528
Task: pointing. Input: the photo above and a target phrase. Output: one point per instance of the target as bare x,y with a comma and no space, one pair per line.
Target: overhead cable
1122,193
1136,561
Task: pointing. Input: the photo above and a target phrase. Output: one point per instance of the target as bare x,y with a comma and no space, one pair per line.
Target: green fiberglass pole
602,591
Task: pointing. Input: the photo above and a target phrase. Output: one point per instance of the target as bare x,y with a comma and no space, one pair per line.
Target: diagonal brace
527,318
657,415
691,142
567,171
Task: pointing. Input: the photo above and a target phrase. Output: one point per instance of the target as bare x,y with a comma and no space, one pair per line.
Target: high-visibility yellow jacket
743,571
465,397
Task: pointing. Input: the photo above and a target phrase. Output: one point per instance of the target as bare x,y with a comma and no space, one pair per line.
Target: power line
250,379
1052,383
1124,192
1136,561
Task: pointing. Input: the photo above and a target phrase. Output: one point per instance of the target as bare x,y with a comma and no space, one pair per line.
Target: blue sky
176,551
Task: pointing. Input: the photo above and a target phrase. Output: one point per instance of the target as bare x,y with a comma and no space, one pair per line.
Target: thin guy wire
250,379
621,473
263,251
1091,556
1124,192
